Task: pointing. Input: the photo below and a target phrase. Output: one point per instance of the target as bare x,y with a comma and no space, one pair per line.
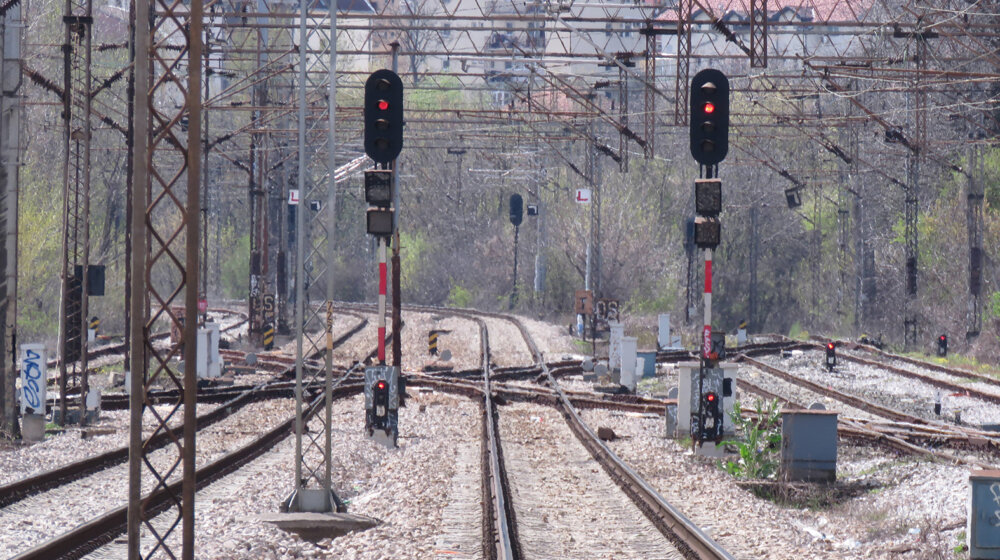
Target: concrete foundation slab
317,526
710,449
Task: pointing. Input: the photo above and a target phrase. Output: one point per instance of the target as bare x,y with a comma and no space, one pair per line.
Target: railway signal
831,356
709,117
711,429
516,209
378,193
383,113
942,345
709,144
516,216
708,205
707,416
382,393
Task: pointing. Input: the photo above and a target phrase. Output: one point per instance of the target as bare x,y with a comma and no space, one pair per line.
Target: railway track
281,366
106,527
680,530
494,387
685,537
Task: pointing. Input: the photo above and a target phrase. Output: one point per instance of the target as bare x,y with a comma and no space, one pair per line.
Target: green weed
761,443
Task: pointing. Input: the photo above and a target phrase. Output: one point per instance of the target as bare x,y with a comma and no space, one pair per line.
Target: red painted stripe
381,345
381,279
708,277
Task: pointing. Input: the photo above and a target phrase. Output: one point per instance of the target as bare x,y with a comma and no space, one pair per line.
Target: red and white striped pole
381,300
706,350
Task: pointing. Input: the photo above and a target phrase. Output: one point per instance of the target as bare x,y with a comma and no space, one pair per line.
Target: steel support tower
164,267
73,323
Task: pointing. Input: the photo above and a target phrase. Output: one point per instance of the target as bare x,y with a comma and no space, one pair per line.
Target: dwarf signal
382,404
831,356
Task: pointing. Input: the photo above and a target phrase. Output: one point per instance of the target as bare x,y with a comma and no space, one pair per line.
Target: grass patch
645,339
583,346
761,444
955,361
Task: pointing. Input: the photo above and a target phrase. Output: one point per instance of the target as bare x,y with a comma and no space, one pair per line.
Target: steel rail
893,433
276,364
53,478
89,536
59,476
957,372
687,536
864,404
500,540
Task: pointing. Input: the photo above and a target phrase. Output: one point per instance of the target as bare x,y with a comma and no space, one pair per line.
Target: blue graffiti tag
32,373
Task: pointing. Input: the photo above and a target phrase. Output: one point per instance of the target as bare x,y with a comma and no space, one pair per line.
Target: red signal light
710,397
381,384
383,105
709,108
942,338
829,346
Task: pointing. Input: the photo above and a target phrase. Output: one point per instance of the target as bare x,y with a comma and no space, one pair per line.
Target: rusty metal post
974,217
397,298
73,323
758,33
683,75
137,265
165,224
10,125
191,267
649,118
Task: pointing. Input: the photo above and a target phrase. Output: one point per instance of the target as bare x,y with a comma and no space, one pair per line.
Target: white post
214,358
629,377
34,374
663,335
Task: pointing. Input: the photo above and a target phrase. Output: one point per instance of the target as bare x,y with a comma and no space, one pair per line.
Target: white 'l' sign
33,377
583,196
293,196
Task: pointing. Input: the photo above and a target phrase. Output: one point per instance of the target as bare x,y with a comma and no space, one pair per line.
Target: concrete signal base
318,526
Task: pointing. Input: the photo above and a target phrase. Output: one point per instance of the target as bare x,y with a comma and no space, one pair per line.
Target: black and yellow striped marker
268,337
432,343
94,323
743,324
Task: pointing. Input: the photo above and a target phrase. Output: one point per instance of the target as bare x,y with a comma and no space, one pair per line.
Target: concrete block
33,427
648,363
809,445
671,415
